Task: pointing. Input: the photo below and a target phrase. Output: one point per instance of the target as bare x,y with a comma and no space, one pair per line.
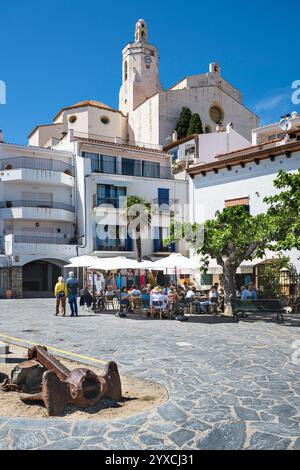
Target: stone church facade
153,112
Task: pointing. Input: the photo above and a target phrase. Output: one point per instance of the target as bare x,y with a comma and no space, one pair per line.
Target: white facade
214,186
204,148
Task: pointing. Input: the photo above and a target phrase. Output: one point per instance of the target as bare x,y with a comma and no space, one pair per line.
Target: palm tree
138,218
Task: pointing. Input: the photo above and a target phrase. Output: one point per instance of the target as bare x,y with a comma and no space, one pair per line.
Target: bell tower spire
140,71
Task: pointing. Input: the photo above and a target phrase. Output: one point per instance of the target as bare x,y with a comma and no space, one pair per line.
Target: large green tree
138,219
284,211
195,126
184,122
232,237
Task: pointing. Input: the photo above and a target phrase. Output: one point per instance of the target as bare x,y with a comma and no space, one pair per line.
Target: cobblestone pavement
231,386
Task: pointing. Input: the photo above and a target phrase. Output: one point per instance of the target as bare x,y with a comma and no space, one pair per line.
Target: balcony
158,247
32,163
37,170
114,246
44,246
116,202
37,210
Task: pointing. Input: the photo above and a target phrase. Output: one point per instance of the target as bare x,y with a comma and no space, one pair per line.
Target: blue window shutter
173,247
163,196
156,241
129,242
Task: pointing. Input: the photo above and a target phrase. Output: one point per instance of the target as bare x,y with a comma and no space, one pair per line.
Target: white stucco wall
208,193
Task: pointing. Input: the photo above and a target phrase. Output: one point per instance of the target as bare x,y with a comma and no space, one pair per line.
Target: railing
161,172
113,201
115,140
118,246
160,248
33,163
48,240
37,204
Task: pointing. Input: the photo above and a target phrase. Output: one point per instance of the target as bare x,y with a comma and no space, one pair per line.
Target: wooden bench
263,306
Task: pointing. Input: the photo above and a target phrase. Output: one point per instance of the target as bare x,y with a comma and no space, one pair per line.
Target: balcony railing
38,204
48,240
160,248
117,246
33,163
113,201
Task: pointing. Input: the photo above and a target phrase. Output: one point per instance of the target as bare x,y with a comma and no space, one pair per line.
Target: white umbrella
112,264
81,261
176,262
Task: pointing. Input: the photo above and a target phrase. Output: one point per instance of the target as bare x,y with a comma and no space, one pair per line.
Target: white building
50,198
244,177
153,113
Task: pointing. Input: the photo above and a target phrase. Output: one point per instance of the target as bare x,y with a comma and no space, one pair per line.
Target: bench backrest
256,304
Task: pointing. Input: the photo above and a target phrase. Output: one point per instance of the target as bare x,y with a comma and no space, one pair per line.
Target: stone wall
12,278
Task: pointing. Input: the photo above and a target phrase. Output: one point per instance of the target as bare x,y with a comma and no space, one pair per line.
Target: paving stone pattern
231,386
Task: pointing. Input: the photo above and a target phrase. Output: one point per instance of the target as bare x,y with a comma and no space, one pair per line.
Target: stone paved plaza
231,386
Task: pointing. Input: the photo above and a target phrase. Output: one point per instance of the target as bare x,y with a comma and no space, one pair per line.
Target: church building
153,112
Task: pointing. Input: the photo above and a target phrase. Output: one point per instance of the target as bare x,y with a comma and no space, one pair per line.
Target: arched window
207,129
125,71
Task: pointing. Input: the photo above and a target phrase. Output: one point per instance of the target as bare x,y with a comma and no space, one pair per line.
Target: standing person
245,293
73,285
60,293
252,290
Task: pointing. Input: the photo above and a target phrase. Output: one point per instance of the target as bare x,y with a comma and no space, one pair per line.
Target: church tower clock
140,71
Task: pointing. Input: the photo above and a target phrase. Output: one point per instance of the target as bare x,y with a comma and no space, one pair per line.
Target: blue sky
55,53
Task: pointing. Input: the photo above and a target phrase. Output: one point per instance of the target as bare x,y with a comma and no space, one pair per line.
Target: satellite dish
285,124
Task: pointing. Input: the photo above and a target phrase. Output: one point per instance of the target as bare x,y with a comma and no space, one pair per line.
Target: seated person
109,293
145,298
191,293
87,297
172,301
156,297
135,292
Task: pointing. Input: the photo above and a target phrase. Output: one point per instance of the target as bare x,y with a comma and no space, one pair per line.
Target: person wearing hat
158,301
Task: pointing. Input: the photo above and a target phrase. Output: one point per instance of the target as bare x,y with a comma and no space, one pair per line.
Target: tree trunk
229,280
138,244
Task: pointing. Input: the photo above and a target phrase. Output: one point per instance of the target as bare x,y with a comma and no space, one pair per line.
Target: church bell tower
139,71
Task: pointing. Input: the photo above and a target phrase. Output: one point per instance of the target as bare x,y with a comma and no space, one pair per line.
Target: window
109,194
72,119
216,114
239,202
207,130
112,238
174,154
125,71
206,279
101,163
131,167
104,119
150,169
160,234
163,196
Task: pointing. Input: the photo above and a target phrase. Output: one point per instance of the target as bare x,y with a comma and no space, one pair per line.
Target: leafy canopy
284,211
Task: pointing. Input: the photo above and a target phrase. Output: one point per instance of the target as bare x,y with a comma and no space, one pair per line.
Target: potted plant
8,166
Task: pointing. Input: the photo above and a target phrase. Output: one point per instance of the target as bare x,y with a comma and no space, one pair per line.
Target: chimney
174,136
1,137
219,128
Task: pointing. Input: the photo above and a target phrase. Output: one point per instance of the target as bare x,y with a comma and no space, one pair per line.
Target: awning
245,268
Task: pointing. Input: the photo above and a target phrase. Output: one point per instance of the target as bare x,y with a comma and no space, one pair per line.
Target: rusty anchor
82,387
